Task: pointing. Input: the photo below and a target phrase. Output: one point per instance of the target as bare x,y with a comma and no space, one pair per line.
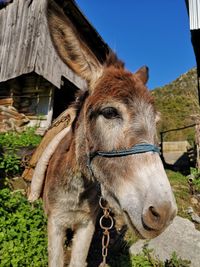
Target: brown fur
116,113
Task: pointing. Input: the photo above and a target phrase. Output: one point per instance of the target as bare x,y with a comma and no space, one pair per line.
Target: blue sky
142,32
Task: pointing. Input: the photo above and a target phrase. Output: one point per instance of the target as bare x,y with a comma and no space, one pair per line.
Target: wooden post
161,145
197,139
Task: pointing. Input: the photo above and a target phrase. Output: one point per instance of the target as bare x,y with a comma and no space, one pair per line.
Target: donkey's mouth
132,226
145,232
146,227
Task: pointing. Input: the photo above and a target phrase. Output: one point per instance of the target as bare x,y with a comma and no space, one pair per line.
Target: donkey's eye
110,113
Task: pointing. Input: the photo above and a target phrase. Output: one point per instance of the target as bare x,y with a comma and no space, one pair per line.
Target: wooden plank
25,45
6,101
48,63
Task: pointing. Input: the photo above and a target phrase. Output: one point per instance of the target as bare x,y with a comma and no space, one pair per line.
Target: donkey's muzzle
158,217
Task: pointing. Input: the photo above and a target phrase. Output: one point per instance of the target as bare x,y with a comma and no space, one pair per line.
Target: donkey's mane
78,104
113,60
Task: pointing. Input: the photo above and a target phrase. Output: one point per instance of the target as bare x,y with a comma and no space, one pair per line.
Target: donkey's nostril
154,212
157,217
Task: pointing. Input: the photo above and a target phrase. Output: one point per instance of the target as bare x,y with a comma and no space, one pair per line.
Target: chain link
106,223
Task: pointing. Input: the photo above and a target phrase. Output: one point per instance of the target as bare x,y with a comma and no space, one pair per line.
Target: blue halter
136,149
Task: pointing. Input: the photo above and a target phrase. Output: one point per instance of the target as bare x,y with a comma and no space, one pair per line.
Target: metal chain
105,218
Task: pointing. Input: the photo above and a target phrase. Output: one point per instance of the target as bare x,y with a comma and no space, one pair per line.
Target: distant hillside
177,101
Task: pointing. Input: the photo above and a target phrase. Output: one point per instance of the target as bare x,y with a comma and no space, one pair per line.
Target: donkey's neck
80,148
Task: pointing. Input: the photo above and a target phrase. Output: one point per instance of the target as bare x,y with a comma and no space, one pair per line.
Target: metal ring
106,227
101,204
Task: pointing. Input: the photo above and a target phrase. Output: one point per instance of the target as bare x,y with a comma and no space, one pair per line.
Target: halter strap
136,149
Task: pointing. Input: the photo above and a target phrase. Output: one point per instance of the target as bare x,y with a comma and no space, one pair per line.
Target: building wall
194,14
32,96
176,153
36,98
26,46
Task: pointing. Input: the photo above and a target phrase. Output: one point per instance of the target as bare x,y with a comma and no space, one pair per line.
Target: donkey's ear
143,74
70,47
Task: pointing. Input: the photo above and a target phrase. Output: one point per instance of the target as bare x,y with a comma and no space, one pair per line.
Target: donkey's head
118,115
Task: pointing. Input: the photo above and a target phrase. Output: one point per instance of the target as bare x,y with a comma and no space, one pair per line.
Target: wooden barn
35,85
193,7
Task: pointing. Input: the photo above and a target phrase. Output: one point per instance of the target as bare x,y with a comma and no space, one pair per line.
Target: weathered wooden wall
25,44
29,94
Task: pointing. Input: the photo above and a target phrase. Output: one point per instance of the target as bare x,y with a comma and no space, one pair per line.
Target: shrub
23,239
10,164
10,143
15,140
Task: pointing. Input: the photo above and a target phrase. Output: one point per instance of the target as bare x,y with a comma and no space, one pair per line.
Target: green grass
147,258
181,191
176,104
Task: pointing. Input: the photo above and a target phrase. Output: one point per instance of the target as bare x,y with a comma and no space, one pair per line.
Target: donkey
110,150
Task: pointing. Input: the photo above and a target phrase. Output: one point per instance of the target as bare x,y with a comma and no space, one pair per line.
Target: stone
180,237
195,218
190,210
